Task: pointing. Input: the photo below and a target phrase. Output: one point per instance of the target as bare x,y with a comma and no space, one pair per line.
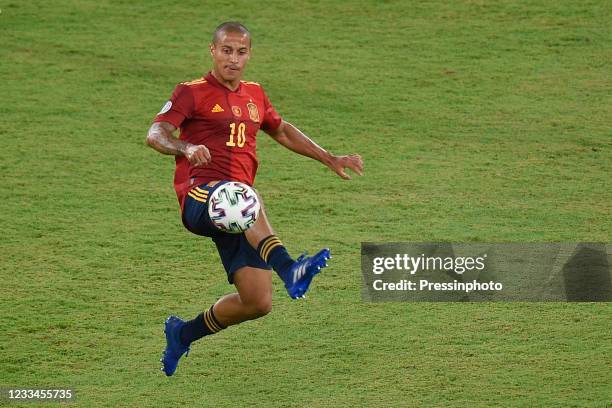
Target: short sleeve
178,108
271,118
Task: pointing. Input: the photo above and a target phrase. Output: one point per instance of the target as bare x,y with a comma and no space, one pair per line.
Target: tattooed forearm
161,139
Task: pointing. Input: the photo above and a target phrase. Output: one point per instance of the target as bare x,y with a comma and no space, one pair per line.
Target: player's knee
260,307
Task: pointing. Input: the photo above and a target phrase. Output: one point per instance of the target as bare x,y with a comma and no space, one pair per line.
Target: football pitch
478,121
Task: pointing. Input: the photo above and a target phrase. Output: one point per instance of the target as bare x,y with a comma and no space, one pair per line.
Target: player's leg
246,268
262,238
261,229
253,300
253,279
296,275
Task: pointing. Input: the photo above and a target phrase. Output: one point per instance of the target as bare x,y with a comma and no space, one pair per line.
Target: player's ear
211,46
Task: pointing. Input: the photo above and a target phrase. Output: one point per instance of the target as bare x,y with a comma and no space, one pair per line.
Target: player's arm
160,137
293,139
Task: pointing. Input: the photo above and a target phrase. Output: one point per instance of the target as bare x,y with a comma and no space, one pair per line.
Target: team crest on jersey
237,111
253,112
165,108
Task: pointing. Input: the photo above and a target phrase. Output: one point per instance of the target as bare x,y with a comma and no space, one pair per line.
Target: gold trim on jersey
195,82
250,83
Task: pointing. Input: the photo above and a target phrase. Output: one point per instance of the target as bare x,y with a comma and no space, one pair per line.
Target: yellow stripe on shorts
195,197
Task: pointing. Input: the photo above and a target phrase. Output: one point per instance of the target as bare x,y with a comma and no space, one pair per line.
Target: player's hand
341,163
198,155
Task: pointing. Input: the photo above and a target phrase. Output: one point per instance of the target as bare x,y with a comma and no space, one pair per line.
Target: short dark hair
230,27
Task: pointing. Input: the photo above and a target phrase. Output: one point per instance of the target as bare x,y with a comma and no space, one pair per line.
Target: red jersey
226,122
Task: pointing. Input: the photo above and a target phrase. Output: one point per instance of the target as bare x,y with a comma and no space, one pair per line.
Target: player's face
230,55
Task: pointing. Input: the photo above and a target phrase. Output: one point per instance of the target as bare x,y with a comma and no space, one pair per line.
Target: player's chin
232,73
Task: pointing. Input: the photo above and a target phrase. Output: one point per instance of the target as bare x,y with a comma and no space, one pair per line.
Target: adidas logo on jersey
217,108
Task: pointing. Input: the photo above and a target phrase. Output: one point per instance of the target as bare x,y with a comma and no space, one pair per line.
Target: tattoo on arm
161,139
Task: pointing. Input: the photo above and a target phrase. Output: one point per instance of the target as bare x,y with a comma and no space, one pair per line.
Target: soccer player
218,116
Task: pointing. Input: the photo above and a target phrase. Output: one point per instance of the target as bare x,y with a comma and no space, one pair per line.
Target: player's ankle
202,325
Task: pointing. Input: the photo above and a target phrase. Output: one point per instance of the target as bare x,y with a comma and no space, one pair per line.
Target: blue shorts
234,249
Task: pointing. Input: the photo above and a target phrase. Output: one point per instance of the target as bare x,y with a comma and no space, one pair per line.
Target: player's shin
270,248
274,253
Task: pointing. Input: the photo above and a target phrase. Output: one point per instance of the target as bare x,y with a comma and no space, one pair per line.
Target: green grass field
477,120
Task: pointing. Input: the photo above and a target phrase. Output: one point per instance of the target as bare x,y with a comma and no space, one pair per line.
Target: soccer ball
233,207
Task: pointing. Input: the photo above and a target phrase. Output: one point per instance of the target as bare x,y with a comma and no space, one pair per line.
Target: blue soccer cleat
302,272
174,347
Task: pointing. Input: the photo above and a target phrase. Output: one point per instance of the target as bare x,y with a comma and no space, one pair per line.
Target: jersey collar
210,78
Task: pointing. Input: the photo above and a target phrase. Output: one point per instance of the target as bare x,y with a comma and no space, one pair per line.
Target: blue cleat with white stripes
174,347
302,272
